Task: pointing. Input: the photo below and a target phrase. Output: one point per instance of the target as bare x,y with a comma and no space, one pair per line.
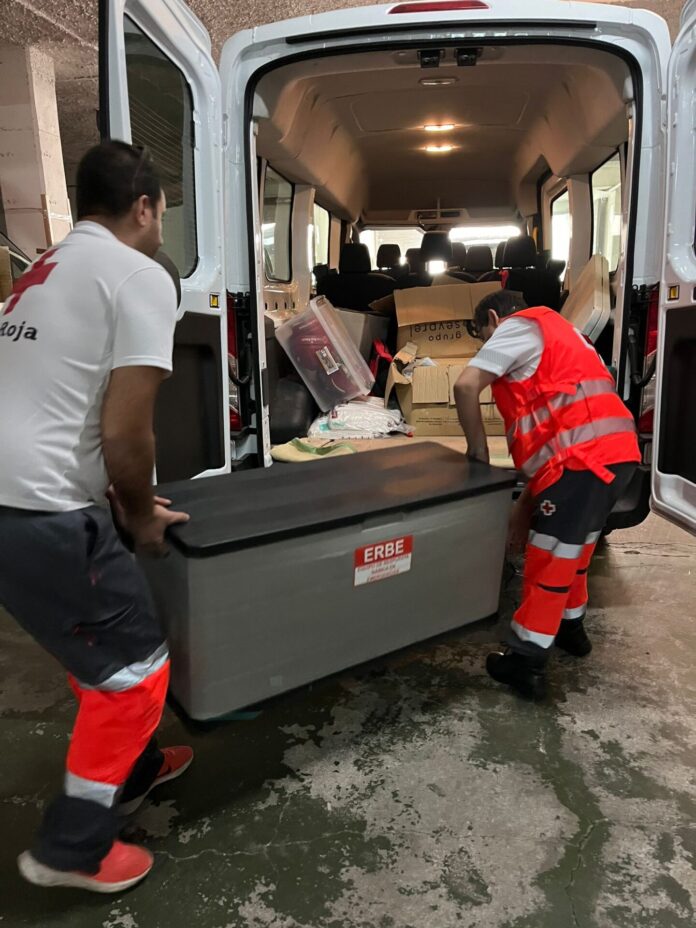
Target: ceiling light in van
437,81
439,149
439,127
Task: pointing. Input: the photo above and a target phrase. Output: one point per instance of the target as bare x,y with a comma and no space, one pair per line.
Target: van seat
500,256
588,305
417,275
539,287
479,260
389,261
436,246
356,285
459,252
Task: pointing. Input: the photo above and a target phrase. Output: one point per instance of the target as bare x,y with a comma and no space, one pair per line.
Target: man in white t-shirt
85,341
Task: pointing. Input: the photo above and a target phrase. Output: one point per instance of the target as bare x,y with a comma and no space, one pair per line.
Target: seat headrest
479,259
458,254
414,259
556,267
355,259
388,256
500,255
520,251
436,246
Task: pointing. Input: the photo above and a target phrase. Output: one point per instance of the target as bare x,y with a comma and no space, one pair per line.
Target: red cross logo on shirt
34,276
547,507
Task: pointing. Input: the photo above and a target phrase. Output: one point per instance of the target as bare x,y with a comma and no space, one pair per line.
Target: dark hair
502,302
112,176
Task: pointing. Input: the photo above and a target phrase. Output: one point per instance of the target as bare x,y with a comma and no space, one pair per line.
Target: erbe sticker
382,560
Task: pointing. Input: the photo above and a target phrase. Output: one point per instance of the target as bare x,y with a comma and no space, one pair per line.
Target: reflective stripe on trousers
555,587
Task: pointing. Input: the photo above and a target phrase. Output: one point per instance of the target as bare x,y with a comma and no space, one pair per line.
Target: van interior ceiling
352,127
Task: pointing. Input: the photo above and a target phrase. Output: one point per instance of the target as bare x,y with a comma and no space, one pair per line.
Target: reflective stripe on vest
525,424
567,413
584,433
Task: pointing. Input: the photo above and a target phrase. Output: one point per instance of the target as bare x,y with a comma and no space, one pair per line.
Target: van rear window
606,210
277,220
560,227
161,115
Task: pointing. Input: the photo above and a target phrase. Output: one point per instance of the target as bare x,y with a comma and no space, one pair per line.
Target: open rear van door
674,459
159,88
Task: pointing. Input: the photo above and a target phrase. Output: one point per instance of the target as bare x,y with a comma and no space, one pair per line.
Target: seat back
356,285
354,259
436,246
414,261
479,260
539,287
389,261
459,252
500,255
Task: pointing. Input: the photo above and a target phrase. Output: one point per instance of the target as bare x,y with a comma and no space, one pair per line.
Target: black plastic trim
103,114
634,506
360,31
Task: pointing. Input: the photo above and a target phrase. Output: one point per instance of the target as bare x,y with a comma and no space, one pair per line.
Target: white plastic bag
363,418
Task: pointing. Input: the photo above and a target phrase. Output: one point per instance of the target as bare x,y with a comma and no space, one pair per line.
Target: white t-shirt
514,349
91,305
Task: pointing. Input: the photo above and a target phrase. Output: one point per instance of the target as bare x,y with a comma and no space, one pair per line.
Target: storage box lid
258,506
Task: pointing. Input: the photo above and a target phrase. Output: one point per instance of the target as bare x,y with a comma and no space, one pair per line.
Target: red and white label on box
383,559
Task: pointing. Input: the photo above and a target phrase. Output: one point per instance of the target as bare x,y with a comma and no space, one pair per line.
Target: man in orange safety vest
575,442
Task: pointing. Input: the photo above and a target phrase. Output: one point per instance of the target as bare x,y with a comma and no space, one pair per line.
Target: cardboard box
588,306
434,318
427,400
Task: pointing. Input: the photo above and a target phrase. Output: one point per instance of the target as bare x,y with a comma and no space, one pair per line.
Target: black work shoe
524,674
572,638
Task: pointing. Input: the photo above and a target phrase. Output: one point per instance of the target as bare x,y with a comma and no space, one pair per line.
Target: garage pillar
32,175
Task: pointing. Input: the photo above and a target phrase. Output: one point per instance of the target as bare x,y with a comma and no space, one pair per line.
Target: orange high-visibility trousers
567,523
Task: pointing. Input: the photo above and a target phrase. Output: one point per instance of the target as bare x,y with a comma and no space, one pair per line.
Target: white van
571,122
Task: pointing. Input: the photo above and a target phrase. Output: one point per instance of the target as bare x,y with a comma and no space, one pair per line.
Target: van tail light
233,365
440,6
651,329
646,421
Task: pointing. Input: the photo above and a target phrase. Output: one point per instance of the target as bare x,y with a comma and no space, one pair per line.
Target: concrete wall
67,31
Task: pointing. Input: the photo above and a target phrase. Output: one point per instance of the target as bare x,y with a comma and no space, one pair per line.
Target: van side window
321,230
560,227
161,115
606,210
277,218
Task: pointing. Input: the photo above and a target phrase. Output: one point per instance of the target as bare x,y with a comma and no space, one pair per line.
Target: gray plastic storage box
288,574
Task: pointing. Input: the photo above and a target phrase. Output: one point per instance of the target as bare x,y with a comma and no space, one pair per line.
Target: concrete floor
414,792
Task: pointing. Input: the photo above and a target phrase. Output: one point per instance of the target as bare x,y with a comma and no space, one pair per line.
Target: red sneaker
176,761
123,867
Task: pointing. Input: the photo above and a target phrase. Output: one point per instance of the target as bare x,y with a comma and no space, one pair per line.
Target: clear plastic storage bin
319,345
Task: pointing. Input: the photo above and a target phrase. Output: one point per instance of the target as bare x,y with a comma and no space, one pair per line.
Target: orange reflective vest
568,413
